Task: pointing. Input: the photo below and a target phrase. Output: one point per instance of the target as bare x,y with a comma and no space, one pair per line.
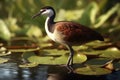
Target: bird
67,33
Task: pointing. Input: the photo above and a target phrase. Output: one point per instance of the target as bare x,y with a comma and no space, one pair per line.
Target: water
11,71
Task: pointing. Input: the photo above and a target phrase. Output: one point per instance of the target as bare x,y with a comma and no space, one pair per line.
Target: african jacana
66,32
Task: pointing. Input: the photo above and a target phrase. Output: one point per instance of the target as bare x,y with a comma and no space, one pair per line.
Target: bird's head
47,10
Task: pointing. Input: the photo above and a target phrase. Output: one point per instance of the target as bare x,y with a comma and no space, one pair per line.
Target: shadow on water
11,71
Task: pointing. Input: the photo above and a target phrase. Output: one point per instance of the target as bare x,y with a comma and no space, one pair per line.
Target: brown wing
76,33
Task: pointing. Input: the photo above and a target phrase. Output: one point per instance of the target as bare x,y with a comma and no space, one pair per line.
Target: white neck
46,25
50,34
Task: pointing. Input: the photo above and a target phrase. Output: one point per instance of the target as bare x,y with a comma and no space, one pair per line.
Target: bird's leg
70,59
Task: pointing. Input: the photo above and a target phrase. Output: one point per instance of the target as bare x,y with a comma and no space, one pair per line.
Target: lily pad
112,53
48,60
91,52
81,48
26,55
92,71
4,52
2,60
41,60
99,43
53,52
27,65
44,45
78,58
2,49
98,62
24,50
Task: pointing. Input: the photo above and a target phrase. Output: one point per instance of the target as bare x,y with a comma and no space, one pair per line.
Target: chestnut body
71,33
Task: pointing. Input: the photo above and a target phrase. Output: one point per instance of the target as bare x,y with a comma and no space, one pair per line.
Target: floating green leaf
51,60
98,62
26,55
27,65
44,45
81,48
2,60
78,58
24,50
53,52
99,43
91,53
4,52
112,53
92,71
2,49
41,60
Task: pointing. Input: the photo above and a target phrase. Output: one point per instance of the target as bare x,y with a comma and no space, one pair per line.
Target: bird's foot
70,68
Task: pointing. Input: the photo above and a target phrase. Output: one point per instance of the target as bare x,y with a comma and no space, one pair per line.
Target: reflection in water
11,71
8,71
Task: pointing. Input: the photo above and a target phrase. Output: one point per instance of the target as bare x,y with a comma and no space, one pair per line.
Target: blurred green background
19,33
101,15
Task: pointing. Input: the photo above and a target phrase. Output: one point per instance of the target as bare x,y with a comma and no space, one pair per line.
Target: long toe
70,68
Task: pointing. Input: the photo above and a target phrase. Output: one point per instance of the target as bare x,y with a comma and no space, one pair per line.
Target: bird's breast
56,36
